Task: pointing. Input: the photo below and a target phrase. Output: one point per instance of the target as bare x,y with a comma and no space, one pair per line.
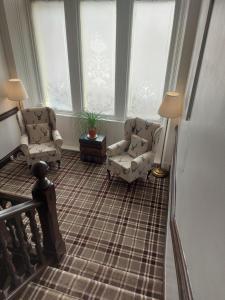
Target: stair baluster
7,256
23,227
12,232
23,246
36,237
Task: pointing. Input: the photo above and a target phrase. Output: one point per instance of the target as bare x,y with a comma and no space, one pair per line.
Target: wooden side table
93,150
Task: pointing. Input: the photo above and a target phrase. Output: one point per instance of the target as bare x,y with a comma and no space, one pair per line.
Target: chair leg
129,184
109,174
59,164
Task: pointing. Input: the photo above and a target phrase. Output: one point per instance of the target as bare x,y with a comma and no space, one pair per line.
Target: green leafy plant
91,118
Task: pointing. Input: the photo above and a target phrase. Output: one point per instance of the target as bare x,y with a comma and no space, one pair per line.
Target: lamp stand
21,104
158,171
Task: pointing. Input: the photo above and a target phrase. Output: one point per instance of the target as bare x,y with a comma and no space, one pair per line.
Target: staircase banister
12,211
9,196
29,244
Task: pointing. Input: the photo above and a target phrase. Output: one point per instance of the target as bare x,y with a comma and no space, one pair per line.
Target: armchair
40,140
133,157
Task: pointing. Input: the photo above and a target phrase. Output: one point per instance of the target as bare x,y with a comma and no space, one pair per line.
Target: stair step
137,261
36,291
85,288
119,278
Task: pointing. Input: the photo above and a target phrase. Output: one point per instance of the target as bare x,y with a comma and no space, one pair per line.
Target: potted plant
91,119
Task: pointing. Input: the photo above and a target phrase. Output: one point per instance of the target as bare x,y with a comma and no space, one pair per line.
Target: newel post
44,191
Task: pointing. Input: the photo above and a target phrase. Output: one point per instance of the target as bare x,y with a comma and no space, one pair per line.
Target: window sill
104,118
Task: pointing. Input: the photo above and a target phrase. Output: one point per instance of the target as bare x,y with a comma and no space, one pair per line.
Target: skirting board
8,113
6,158
183,281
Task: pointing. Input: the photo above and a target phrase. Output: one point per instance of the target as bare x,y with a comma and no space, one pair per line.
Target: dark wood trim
184,286
8,196
8,113
15,210
199,63
6,158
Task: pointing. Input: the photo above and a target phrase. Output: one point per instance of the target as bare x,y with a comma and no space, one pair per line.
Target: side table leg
59,164
109,174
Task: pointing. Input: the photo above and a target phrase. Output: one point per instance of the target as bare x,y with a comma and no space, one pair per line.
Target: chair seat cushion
122,161
138,146
37,150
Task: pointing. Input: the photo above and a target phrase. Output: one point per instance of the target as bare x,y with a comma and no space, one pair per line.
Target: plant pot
92,133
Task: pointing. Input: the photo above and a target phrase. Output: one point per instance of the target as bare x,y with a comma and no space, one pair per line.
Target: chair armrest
142,160
58,141
117,148
24,144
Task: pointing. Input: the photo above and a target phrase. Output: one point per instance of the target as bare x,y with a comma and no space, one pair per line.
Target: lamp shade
16,90
171,106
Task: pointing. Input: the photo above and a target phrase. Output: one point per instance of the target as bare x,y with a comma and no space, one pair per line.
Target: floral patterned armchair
39,138
132,157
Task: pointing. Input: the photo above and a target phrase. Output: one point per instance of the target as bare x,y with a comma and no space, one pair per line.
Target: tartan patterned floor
115,237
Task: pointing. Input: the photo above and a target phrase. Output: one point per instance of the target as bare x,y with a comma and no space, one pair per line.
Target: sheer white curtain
151,30
51,45
98,43
151,35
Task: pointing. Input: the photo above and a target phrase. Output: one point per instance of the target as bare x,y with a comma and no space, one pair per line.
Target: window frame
124,15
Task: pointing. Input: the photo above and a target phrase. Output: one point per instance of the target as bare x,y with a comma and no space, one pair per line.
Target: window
151,34
98,43
51,45
118,54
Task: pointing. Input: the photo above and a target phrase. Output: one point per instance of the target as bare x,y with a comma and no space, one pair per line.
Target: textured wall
200,171
9,134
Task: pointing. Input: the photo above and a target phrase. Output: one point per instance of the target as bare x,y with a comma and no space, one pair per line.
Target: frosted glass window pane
151,34
98,40
50,37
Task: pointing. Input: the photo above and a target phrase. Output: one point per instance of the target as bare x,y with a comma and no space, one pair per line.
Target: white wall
200,210
9,131
192,22
4,103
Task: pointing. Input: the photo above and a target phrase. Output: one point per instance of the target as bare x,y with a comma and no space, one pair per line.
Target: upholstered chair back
36,116
147,130
39,115
40,140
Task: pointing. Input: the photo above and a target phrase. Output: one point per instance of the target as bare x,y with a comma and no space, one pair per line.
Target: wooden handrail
9,196
13,211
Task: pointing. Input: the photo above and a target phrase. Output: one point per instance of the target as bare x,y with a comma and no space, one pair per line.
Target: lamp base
159,172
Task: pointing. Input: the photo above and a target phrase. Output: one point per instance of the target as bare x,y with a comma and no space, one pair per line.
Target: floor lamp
171,108
16,91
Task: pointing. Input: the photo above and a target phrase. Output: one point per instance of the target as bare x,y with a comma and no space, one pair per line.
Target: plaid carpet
115,236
